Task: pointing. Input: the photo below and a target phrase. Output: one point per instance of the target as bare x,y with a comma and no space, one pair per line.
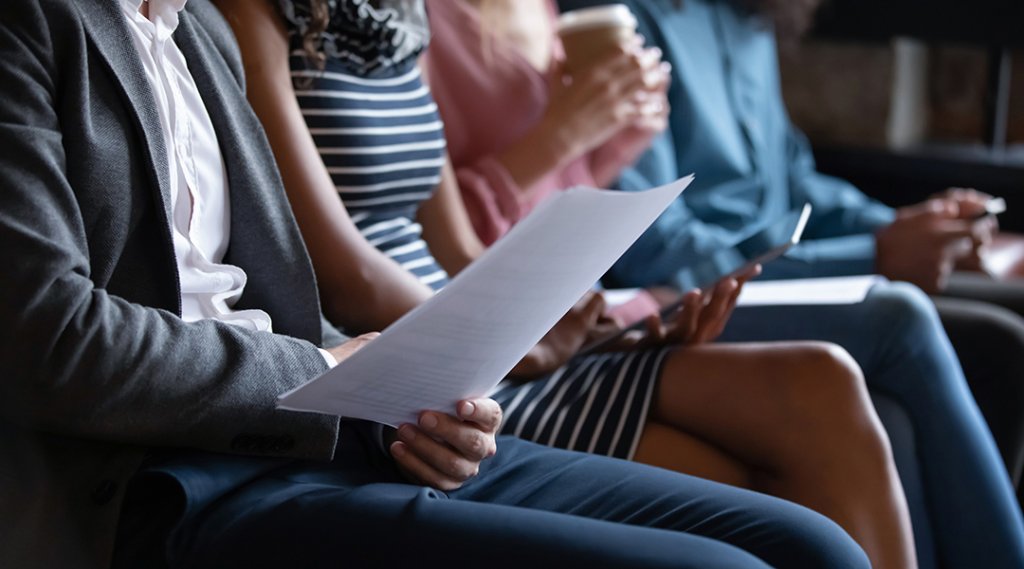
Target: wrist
541,151
554,140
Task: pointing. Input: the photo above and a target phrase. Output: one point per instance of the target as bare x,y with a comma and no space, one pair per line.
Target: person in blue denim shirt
729,125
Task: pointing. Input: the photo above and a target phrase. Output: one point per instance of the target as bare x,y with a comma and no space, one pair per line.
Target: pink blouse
489,99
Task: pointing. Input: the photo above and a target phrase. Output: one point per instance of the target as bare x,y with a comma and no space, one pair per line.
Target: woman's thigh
764,402
668,447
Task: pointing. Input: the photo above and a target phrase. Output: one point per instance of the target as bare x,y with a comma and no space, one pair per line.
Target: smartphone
763,246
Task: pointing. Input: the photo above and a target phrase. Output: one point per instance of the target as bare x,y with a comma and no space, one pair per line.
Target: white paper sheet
466,338
828,290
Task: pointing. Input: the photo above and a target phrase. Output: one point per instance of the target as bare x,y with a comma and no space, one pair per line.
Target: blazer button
104,492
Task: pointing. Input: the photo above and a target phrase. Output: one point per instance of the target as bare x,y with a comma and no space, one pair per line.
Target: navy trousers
530,505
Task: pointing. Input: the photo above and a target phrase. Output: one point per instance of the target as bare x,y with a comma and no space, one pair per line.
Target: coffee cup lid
598,16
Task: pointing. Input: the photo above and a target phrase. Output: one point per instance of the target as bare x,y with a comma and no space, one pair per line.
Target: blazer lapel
115,46
265,241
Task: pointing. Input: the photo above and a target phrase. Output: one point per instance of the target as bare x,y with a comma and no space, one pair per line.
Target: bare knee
825,407
814,377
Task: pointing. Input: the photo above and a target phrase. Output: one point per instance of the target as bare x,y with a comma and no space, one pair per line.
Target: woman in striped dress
338,88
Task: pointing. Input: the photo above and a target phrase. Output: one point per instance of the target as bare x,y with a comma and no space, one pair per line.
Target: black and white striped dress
380,136
383,144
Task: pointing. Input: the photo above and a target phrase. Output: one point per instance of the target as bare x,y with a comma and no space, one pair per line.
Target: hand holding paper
465,339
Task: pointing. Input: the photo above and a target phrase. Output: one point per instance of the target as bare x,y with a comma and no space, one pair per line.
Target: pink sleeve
468,90
493,199
621,151
490,196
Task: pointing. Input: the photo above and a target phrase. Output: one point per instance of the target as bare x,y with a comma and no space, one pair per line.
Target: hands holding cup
608,81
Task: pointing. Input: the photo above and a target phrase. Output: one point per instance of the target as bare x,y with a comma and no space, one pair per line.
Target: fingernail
466,409
407,432
428,421
398,449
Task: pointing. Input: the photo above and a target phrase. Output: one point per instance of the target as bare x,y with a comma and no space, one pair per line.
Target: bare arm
361,288
446,226
581,117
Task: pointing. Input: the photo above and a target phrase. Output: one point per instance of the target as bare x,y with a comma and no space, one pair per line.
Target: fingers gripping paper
466,338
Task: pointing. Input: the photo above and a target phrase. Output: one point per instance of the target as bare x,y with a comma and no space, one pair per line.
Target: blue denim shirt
729,126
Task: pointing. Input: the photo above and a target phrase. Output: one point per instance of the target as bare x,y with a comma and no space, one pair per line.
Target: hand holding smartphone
759,248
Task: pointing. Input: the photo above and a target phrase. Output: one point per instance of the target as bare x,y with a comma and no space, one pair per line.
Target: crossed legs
793,420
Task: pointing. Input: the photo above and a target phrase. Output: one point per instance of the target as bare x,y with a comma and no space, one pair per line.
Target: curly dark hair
320,17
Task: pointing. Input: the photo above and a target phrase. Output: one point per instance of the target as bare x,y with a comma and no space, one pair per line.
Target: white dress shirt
200,207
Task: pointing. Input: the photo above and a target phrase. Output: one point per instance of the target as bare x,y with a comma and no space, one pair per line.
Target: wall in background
894,95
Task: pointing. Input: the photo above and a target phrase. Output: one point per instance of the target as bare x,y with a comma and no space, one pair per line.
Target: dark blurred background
907,97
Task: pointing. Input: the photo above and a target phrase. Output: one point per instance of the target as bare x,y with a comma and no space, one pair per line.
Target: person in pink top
517,130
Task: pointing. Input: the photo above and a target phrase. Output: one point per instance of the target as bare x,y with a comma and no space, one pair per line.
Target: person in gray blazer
137,419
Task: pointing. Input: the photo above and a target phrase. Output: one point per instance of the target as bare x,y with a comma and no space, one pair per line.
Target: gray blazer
97,365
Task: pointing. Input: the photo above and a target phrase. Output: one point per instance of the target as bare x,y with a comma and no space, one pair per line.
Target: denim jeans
896,337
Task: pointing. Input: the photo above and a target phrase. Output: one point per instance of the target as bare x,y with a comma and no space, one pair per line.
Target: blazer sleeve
79,361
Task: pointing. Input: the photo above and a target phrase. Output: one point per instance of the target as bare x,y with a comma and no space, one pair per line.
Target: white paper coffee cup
590,34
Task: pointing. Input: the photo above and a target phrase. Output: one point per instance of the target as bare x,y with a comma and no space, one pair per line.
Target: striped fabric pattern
596,404
382,142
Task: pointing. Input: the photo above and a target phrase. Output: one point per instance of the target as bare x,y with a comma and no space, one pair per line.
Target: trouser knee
903,310
808,539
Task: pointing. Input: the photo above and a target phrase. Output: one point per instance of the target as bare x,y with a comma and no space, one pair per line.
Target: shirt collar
163,14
